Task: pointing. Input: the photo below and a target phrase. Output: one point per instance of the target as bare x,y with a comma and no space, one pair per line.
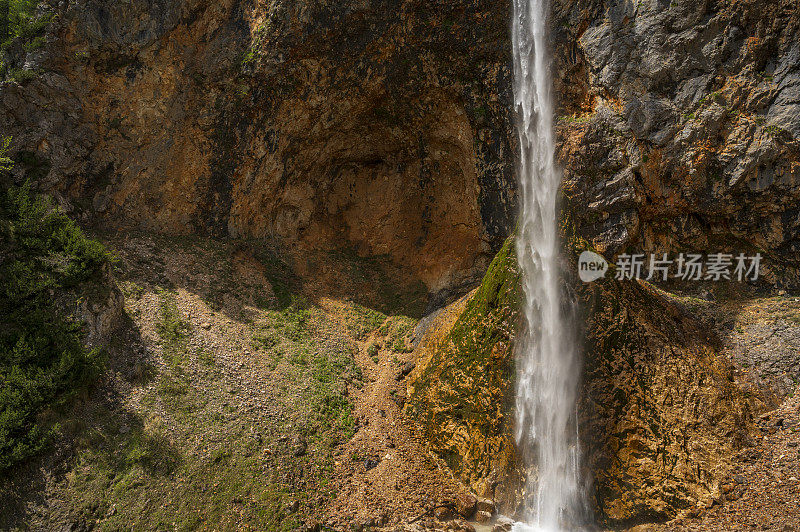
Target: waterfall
547,355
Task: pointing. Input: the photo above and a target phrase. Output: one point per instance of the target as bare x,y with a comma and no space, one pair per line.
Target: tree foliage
43,360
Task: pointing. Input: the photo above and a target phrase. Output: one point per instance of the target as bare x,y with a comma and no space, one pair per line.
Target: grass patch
373,351
172,330
398,331
361,321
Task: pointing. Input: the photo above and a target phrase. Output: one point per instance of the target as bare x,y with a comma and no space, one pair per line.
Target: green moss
485,318
470,374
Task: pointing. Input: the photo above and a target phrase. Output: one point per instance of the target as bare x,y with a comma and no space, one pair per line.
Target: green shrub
43,361
18,19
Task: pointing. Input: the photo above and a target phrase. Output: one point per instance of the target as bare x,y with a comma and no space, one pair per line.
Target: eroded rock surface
382,127
686,136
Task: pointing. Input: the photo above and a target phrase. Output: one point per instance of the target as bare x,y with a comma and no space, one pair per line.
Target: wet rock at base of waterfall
466,504
486,505
460,526
483,517
503,524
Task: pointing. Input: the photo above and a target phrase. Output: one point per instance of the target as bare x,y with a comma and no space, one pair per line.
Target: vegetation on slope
18,19
43,360
225,407
21,28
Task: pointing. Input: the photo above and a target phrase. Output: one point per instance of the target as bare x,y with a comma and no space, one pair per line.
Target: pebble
300,446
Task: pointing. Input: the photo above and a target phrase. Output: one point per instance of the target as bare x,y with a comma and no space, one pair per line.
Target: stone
443,513
404,370
483,517
486,505
461,526
503,524
205,325
399,398
299,446
466,504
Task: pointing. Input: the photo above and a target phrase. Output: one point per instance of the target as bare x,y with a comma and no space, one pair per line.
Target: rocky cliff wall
686,137
385,127
382,127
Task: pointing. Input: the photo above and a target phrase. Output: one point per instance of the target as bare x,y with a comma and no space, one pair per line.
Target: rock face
684,126
380,127
384,128
660,418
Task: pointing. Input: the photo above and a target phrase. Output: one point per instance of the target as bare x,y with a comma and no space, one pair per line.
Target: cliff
372,143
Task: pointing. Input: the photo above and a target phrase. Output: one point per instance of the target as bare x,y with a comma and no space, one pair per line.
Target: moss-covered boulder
462,392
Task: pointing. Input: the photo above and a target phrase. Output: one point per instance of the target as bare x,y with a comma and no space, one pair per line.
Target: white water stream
547,355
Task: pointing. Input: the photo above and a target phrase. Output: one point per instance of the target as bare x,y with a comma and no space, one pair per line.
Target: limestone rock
466,504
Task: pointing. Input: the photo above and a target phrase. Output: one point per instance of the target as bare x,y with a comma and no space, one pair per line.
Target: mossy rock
464,391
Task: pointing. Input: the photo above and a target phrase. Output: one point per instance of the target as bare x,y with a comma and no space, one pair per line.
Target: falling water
547,354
